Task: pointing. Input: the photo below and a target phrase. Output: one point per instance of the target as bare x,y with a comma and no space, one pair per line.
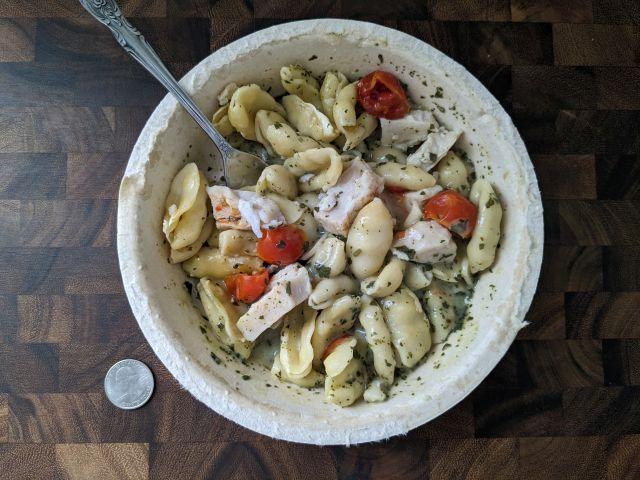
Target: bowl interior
163,307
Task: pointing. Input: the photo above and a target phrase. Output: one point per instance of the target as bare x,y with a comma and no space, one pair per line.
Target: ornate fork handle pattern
108,13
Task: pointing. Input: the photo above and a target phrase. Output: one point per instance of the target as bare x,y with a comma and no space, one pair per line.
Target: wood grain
476,10
559,364
569,457
622,457
580,168
615,45
546,318
602,315
17,38
474,458
78,319
621,360
564,401
106,461
4,418
568,11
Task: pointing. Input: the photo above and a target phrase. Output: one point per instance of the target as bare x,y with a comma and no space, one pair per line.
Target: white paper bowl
163,308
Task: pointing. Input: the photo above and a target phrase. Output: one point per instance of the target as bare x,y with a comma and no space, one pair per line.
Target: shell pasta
358,248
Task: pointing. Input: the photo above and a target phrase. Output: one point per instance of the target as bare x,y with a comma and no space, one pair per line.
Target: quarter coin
129,384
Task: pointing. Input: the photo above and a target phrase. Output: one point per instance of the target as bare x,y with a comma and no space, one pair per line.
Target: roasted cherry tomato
281,245
334,344
247,288
381,95
453,211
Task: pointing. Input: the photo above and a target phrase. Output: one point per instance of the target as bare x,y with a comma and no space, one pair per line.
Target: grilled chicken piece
356,187
409,130
425,242
243,210
288,288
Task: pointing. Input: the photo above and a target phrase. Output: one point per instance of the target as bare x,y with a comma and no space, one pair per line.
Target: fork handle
108,13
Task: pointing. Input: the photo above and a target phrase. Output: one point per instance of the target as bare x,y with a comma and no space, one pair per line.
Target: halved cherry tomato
281,245
247,288
334,344
453,211
381,95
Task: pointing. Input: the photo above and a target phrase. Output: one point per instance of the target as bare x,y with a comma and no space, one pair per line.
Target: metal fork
240,168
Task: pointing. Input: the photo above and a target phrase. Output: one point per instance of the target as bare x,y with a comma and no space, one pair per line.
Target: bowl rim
236,406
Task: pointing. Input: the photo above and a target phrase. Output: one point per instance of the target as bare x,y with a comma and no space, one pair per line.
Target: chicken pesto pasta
358,248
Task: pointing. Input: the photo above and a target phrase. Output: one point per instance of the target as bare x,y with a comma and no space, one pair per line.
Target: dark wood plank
59,271
567,11
571,269
539,88
393,459
32,176
510,43
590,411
580,168
9,318
517,413
397,10
617,11
605,132
17,38
559,364
28,461
587,222
621,267
76,319
4,418
304,9
94,175
546,317
70,8
596,44
73,418
54,130
538,130
81,368
452,38
615,88
241,460
77,40
565,457
618,177
602,315
78,83
454,423
169,417
505,373
10,216
225,30
471,10
497,79
83,39
28,368
622,457
621,359
494,458
144,8
56,223
106,461
39,8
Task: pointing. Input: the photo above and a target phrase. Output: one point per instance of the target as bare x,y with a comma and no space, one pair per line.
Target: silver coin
129,384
